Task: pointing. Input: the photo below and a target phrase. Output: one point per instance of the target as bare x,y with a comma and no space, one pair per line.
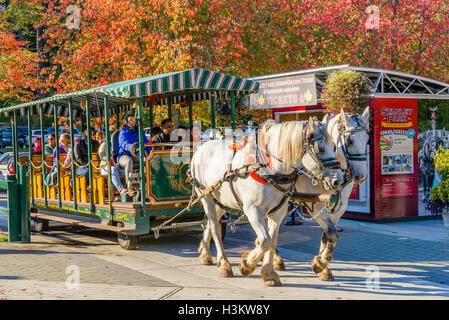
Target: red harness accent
238,145
257,178
253,174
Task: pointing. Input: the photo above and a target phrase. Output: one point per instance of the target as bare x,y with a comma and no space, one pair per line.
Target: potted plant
439,194
347,89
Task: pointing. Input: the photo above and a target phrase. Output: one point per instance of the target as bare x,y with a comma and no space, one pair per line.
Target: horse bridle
312,148
344,135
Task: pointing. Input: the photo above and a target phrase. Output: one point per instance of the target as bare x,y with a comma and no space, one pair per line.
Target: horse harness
262,160
344,135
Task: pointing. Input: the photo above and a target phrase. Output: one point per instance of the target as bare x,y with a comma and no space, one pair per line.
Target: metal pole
212,111
151,115
89,153
141,156
212,114
41,121
30,155
189,101
108,155
25,218
170,112
233,109
14,223
55,117
15,145
72,154
118,121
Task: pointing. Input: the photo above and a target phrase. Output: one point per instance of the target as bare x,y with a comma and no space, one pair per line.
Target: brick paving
426,260
413,261
50,263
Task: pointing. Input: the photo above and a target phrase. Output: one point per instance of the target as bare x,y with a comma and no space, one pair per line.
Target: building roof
384,83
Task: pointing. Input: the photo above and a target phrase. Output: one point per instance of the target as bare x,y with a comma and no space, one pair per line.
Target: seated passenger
99,137
195,133
167,127
115,175
182,133
129,135
81,154
51,145
37,146
64,148
154,132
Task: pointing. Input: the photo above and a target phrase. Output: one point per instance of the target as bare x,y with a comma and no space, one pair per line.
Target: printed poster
396,143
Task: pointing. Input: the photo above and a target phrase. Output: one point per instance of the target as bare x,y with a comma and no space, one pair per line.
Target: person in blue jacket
127,137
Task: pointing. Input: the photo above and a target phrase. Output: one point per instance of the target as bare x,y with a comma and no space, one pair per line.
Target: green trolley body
164,187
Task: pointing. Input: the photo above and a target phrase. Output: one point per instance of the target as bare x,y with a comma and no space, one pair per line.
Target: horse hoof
278,263
326,275
317,265
245,268
279,266
272,283
206,259
225,269
269,276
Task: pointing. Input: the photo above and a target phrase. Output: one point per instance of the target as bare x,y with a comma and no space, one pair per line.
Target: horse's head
319,154
352,138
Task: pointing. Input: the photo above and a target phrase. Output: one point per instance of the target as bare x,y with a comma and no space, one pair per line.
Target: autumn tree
18,62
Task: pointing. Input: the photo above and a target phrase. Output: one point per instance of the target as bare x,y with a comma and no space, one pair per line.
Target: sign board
396,143
283,92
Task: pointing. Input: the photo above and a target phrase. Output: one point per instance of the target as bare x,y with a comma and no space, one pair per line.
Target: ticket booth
392,190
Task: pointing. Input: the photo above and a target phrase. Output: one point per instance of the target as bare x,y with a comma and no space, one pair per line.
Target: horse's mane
285,140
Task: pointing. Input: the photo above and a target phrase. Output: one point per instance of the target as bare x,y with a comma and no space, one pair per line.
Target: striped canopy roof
197,83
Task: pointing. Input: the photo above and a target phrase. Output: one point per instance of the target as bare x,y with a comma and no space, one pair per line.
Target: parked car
65,129
22,137
7,163
5,138
37,133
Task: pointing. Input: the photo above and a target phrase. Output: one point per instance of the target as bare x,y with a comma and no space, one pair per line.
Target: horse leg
329,239
267,272
250,258
278,262
214,214
204,247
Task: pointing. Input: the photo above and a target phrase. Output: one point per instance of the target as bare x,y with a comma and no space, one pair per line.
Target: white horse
351,136
285,147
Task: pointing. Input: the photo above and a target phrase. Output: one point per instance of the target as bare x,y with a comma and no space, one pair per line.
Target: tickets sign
283,92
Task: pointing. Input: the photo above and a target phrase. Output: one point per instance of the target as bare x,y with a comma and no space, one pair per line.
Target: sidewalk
412,259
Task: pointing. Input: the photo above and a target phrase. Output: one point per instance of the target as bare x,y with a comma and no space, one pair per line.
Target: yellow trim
397,125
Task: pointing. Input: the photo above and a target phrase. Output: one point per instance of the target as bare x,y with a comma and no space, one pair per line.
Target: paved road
412,259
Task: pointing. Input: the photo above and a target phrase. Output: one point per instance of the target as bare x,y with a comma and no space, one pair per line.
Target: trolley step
81,221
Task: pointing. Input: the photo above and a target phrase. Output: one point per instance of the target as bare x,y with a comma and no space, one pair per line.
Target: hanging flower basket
345,89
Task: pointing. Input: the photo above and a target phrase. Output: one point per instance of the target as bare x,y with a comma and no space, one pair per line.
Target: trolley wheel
127,241
40,225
